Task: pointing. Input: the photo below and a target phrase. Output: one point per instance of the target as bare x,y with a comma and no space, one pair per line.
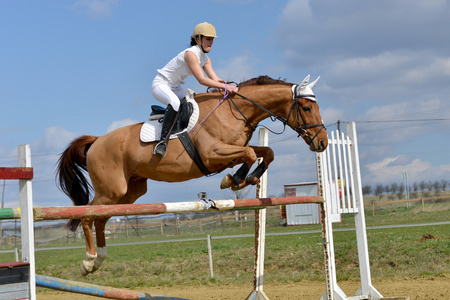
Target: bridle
295,108
302,131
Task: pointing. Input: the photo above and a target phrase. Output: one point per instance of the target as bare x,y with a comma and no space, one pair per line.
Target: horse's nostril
322,144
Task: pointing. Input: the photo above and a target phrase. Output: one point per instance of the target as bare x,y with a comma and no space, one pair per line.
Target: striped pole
96,290
77,212
9,213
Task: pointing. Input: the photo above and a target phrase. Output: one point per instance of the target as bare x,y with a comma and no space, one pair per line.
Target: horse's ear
312,84
304,83
304,90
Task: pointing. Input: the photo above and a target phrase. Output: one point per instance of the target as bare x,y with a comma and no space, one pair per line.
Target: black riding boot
170,118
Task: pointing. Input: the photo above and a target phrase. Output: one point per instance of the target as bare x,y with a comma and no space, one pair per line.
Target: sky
75,67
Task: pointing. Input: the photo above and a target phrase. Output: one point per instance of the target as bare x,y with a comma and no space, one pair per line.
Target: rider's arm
210,71
212,80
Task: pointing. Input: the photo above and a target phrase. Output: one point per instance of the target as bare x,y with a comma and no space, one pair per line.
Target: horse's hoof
239,186
226,182
83,270
252,179
236,188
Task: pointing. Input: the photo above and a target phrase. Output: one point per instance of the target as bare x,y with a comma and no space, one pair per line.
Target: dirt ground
433,288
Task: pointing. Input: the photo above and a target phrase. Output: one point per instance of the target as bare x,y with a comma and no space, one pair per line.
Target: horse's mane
263,80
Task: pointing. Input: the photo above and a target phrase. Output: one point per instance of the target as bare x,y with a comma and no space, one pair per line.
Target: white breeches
163,92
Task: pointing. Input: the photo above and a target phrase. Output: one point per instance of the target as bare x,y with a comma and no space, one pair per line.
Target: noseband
301,129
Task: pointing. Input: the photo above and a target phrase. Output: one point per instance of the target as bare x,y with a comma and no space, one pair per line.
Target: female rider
192,61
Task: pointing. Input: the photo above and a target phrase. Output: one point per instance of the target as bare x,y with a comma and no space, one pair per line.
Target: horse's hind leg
136,188
91,255
101,242
94,259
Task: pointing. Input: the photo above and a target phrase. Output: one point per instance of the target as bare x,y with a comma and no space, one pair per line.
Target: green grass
395,252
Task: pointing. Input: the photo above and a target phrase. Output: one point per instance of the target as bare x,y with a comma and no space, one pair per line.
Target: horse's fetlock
101,252
101,256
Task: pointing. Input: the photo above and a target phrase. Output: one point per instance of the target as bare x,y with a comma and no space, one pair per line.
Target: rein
301,130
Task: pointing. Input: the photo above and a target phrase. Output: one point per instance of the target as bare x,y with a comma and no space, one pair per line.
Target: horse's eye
306,109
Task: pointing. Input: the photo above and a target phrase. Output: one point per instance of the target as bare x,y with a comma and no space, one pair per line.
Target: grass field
396,252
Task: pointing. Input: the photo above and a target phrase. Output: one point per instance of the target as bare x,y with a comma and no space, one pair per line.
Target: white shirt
177,69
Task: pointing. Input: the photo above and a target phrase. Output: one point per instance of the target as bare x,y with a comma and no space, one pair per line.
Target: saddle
189,112
151,129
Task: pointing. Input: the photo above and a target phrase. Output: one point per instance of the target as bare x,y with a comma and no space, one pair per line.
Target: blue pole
96,290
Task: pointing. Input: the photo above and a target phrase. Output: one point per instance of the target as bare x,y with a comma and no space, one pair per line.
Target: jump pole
96,290
77,212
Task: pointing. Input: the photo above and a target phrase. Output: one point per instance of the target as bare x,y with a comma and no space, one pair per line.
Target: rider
191,61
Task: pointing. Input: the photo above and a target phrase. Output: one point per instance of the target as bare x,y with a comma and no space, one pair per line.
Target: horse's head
304,116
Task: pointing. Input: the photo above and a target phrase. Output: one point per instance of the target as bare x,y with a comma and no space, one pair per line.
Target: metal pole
211,272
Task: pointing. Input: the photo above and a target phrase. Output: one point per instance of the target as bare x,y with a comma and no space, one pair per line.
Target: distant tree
415,188
387,188
400,191
436,187
379,190
444,184
429,185
423,187
367,190
394,188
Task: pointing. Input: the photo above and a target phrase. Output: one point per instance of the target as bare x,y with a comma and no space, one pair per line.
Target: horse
119,163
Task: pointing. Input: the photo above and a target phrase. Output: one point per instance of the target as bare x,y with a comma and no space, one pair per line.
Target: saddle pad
151,129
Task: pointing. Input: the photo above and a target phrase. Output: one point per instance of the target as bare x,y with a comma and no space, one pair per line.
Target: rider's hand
232,89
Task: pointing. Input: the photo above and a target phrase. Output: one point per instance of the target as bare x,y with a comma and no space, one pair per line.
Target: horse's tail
70,174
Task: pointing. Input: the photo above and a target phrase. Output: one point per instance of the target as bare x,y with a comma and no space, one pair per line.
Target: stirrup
158,152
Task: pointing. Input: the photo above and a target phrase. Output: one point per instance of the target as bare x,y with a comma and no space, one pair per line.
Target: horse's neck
274,99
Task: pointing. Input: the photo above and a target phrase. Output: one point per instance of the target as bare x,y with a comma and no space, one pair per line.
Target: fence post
211,272
26,217
260,229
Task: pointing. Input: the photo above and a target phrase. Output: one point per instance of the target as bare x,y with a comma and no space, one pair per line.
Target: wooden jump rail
77,212
16,173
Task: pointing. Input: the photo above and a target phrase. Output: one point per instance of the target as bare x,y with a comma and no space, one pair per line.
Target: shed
303,214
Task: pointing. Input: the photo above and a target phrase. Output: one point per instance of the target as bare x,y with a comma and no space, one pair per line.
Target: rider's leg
164,93
170,118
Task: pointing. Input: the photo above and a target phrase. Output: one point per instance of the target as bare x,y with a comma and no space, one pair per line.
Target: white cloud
97,8
389,169
55,138
121,123
297,10
237,68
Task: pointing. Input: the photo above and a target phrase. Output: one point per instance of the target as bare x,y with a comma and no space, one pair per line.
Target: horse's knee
270,156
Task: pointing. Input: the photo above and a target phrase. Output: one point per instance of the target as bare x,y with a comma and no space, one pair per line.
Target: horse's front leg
88,264
223,154
267,156
247,156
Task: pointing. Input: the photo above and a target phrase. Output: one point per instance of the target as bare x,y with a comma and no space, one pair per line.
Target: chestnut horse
119,164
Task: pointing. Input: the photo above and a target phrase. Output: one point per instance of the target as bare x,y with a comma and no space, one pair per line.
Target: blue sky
69,68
